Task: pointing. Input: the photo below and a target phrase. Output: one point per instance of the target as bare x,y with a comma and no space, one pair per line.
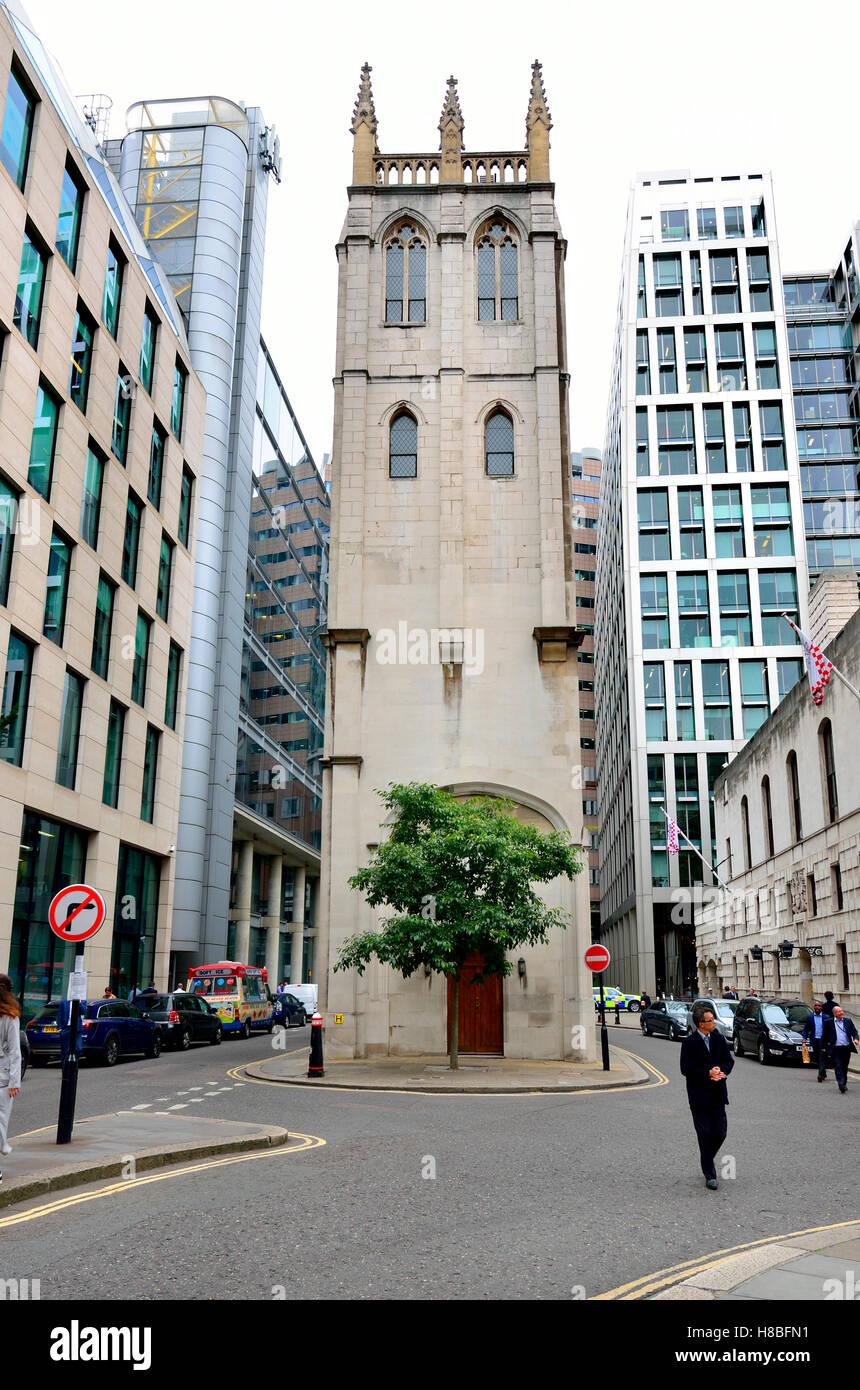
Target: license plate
50,1029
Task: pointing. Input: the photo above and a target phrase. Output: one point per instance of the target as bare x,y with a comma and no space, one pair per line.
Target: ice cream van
239,994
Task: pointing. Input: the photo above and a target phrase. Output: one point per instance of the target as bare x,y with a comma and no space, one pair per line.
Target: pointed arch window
499,445
498,273
403,446
405,276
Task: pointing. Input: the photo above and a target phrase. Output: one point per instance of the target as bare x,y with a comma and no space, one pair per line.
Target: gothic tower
452,649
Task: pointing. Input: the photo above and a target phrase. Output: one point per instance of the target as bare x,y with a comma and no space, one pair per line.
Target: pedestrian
178,989
706,1062
751,994
108,994
813,1031
10,1058
646,1001
829,1003
841,1036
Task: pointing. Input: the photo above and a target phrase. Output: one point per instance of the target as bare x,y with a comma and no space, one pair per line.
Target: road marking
145,1106
182,1093
311,1141
192,1088
675,1274
183,1106
197,1100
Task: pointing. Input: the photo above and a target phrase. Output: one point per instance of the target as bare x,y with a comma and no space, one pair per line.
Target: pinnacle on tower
538,126
363,130
451,125
451,113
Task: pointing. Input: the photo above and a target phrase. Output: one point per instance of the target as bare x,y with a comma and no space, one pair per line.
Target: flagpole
708,866
834,669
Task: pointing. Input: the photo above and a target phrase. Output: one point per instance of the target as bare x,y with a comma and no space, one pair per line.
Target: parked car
183,1019
307,995
632,1002
769,1028
25,1051
290,1012
110,1029
612,998
723,1011
666,1017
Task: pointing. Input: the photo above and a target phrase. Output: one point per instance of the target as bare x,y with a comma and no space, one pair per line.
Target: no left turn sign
76,913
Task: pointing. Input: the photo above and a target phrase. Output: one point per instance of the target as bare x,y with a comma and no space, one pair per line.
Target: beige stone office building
451,514
788,821
101,420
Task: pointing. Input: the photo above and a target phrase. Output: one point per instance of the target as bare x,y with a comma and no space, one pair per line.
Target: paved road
533,1197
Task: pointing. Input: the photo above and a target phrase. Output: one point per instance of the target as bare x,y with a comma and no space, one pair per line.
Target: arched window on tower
498,274
403,446
405,276
499,442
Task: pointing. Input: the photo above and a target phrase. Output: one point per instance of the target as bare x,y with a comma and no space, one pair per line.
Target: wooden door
481,1018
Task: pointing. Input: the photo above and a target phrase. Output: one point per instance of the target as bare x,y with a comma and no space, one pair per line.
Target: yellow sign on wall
338,1018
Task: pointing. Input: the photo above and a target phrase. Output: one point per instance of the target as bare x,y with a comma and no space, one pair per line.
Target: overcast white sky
737,85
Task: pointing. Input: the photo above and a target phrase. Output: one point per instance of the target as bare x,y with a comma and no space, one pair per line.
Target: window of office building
787,675
82,358
743,438
691,519
44,441
165,571
777,593
668,365
706,221
758,271
735,621
734,219
59,564
715,438
16,695
29,293
772,436
171,703
725,288
643,365
694,622
131,540
668,286
150,772
656,726
102,626
134,933
653,526
757,220
771,511
641,299
157,447
685,714
113,287
177,405
92,496
147,348
755,701
643,461
141,658
185,500
689,818
113,754
676,453
657,820
121,415
675,224
731,360
69,220
654,599
696,359
70,730
17,129
51,856
9,503
717,700
696,282
766,367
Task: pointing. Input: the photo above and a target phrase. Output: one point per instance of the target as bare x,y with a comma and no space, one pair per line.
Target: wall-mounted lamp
427,971
521,968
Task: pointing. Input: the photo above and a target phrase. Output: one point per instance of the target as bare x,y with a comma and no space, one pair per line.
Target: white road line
198,1100
158,1098
142,1107
192,1088
182,1093
183,1106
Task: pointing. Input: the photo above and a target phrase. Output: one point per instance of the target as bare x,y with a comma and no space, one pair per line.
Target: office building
585,509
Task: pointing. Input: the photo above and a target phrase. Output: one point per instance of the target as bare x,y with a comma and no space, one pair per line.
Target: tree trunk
455,1023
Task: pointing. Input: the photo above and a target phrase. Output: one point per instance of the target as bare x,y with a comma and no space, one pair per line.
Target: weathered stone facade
487,558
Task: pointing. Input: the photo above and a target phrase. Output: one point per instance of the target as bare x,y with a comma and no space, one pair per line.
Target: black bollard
315,1062
69,1083
617,1015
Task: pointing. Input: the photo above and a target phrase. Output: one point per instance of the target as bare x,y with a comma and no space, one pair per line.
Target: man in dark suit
706,1062
840,1039
814,1030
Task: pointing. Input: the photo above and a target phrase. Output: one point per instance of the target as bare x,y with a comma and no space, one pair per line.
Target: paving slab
101,1147
794,1269
431,1074
829,1266
784,1285
741,1267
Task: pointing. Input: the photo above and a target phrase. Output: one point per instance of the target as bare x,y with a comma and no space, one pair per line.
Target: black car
289,1011
183,1019
666,1017
769,1029
25,1050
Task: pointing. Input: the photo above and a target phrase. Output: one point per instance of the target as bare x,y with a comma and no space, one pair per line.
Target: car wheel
646,1029
184,1040
154,1049
245,1031
217,1036
737,1049
633,1007
110,1056
763,1054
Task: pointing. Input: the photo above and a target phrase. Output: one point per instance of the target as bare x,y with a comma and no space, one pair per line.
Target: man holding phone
706,1062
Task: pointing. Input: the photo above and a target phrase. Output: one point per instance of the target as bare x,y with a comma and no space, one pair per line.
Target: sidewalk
814,1268
102,1146
475,1076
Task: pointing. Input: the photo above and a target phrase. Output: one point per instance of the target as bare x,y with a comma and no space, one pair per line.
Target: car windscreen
775,1015
160,1002
675,1008
48,1014
797,1013
214,985
725,1008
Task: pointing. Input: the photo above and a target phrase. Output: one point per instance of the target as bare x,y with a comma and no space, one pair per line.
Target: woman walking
10,1058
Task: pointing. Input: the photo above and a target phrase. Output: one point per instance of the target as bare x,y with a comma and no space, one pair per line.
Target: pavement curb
14,1190
257,1071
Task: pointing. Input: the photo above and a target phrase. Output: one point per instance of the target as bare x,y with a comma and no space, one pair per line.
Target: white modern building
700,550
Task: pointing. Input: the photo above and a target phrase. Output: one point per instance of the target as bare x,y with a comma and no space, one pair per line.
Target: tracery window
405,276
499,442
403,446
498,274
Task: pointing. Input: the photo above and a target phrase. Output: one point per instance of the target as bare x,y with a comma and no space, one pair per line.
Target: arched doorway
806,986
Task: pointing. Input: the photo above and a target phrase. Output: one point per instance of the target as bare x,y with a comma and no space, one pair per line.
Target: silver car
723,1011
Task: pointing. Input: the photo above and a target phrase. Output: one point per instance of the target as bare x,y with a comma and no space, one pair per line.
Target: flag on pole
672,836
818,667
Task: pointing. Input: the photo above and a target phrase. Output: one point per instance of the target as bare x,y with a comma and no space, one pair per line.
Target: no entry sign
597,959
76,913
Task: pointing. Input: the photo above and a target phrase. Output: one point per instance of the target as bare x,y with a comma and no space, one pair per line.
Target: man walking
813,1031
829,1003
840,1036
706,1062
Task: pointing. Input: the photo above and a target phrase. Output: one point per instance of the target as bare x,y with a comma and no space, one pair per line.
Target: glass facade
17,128
9,498
51,856
135,926
92,497
70,730
112,289
31,285
69,219
100,658
16,695
44,441
82,358
147,349
57,588
113,754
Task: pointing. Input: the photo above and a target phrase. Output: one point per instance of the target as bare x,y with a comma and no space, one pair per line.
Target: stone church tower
452,650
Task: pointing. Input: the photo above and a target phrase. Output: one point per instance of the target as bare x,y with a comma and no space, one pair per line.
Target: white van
307,995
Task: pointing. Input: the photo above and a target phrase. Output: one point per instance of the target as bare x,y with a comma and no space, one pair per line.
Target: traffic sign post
597,959
76,913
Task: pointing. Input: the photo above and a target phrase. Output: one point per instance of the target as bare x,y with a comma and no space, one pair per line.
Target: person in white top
10,1058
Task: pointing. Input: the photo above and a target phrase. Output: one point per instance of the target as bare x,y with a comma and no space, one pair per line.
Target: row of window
496,247
723,280
678,453
675,223
830,795
729,370
769,510
16,695
710,714
498,446
777,594
687,813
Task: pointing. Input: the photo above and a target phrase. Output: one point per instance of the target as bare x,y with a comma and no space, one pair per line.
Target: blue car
110,1029
289,1011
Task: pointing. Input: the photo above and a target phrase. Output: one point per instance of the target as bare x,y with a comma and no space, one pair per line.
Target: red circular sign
597,958
76,912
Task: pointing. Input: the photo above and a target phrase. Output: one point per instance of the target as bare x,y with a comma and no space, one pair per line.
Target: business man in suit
706,1062
814,1030
840,1039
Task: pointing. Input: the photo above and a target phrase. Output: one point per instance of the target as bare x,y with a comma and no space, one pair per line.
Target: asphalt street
545,1196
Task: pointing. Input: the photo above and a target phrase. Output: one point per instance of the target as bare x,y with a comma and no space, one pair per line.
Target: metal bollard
315,1061
617,1015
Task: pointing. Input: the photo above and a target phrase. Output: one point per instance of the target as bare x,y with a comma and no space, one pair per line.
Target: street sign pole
597,959
76,913
69,1084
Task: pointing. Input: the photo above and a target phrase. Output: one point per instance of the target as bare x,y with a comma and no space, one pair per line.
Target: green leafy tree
459,876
